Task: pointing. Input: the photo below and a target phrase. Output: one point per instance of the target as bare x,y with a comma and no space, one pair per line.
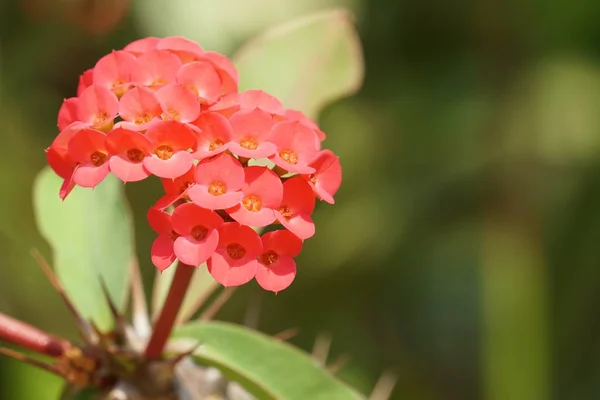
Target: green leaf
306,63
266,367
91,235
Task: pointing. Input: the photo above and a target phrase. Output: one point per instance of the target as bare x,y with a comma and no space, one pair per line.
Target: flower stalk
168,315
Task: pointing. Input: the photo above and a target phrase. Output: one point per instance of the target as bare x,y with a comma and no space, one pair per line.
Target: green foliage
265,366
92,240
306,63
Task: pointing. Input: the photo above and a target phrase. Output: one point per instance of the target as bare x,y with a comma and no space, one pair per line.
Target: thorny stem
166,320
21,334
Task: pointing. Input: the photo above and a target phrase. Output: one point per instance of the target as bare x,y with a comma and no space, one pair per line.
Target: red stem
21,334
166,320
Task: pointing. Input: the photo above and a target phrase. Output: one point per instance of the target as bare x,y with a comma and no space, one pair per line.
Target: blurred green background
462,253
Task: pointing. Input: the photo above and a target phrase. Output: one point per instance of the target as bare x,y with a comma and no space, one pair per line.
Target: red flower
87,148
162,253
156,68
170,157
113,71
214,134
185,49
327,178
249,100
178,103
218,181
67,113
181,184
197,228
251,131
295,115
144,45
262,193
176,189
85,80
139,109
97,108
277,268
128,150
58,158
296,208
234,261
296,147
202,78
225,69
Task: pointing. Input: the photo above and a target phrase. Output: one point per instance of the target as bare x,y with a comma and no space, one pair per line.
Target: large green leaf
266,367
91,236
306,63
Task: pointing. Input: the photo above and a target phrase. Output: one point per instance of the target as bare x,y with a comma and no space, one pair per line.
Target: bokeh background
463,252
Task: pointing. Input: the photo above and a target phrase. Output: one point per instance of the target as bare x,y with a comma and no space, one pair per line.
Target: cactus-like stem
166,320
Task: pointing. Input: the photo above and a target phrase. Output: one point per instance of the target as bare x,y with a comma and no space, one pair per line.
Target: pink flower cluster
165,107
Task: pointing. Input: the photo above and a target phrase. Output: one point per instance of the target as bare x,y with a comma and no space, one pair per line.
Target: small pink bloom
178,103
180,184
162,253
296,145
139,109
67,113
113,71
197,228
87,148
156,68
295,115
171,141
185,49
85,80
142,45
128,150
176,189
202,78
234,261
249,100
251,131
296,208
214,134
262,194
97,107
277,268
218,181
59,160
327,178
226,70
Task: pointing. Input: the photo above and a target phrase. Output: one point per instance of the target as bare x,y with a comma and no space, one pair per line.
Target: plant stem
21,334
166,320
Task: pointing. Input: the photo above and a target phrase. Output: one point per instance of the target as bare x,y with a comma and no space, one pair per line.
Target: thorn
321,348
175,360
28,360
384,386
340,362
102,339
287,334
120,323
82,324
217,304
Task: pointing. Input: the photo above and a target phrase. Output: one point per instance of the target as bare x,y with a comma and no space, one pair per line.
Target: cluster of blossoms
229,161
